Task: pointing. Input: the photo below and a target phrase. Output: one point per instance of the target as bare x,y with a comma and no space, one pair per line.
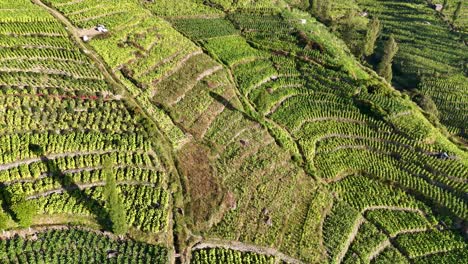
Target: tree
456,14
350,34
24,212
114,202
372,34
384,68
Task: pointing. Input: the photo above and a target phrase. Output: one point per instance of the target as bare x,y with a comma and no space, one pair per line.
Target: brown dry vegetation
205,190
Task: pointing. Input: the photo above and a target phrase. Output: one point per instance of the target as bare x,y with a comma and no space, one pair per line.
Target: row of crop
362,193
260,22
47,117
296,111
38,169
162,59
270,96
390,255
228,256
43,53
374,131
200,28
252,74
21,147
394,221
37,42
13,29
232,50
77,246
197,102
193,72
366,241
416,162
338,226
31,80
430,242
376,135
91,13
56,180
386,167
182,8
451,257
51,66
146,207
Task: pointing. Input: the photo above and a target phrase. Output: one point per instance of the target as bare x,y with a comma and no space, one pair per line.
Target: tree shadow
5,198
223,101
229,105
73,189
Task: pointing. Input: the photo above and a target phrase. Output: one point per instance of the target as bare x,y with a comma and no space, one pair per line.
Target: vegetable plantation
232,132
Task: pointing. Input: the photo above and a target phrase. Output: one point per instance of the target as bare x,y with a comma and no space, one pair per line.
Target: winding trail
381,247
357,223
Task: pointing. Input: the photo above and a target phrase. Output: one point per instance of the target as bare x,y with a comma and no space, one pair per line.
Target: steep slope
286,148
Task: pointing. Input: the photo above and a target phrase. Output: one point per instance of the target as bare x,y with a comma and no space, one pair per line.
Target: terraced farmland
223,132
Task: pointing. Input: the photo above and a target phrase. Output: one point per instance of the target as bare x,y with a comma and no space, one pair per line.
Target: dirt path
394,208
239,246
91,32
350,239
379,249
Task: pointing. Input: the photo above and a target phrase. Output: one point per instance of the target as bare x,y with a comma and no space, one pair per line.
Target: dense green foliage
230,131
220,255
77,246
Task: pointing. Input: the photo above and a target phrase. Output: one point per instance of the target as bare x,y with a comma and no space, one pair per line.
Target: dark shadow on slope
229,105
223,101
67,183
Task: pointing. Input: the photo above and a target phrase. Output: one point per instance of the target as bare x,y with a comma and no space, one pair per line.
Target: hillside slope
239,131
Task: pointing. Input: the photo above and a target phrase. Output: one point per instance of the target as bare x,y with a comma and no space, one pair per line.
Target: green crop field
233,131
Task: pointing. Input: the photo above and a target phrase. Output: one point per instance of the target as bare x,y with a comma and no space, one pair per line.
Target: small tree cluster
23,210
384,68
372,34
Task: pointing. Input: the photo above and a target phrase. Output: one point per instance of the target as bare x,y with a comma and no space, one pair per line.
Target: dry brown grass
205,190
